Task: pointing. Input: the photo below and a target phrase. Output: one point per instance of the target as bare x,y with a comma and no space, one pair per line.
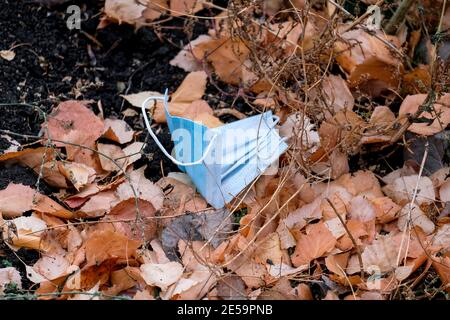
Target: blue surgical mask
221,161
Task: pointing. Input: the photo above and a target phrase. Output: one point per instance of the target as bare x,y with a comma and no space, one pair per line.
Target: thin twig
358,251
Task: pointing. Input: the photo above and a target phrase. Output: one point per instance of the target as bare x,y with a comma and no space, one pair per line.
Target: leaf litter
110,231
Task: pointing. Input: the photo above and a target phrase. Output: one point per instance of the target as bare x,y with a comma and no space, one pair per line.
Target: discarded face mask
221,161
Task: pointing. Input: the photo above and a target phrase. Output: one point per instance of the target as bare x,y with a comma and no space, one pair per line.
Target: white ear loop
158,143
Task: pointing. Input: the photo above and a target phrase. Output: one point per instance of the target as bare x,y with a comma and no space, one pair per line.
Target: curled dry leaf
438,113
123,11
317,242
26,232
8,55
112,152
77,173
118,130
369,61
18,198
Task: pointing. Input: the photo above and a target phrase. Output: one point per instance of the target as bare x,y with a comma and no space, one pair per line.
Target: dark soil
54,64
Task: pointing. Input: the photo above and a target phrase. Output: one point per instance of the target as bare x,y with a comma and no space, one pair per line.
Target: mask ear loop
276,119
158,143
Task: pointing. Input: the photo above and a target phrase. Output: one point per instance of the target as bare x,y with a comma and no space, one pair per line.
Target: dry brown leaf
441,239
118,130
136,99
386,210
184,7
192,88
104,245
123,11
122,280
136,226
71,121
442,266
402,190
317,242
8,55
51,266
386,253
337,263
270,250
144,188
185,60
412,215
113,152
100,204
18,198
357,229
77,173
337,94
370,64
161,275
440,113
227,57
10,275
26,232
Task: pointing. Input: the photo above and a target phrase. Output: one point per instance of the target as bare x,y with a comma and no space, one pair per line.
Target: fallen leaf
51,266
72,122
144,188
185,60
162,275
99,204
17,199
337,263
192,88
412,215
137,99
369,61
136,225
231,287
8,55
440,113
112,152
226,55
402,190
337,94
77,173
386,210
317,241
184,7
104,245
118,130
10,275
123,11
386,252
